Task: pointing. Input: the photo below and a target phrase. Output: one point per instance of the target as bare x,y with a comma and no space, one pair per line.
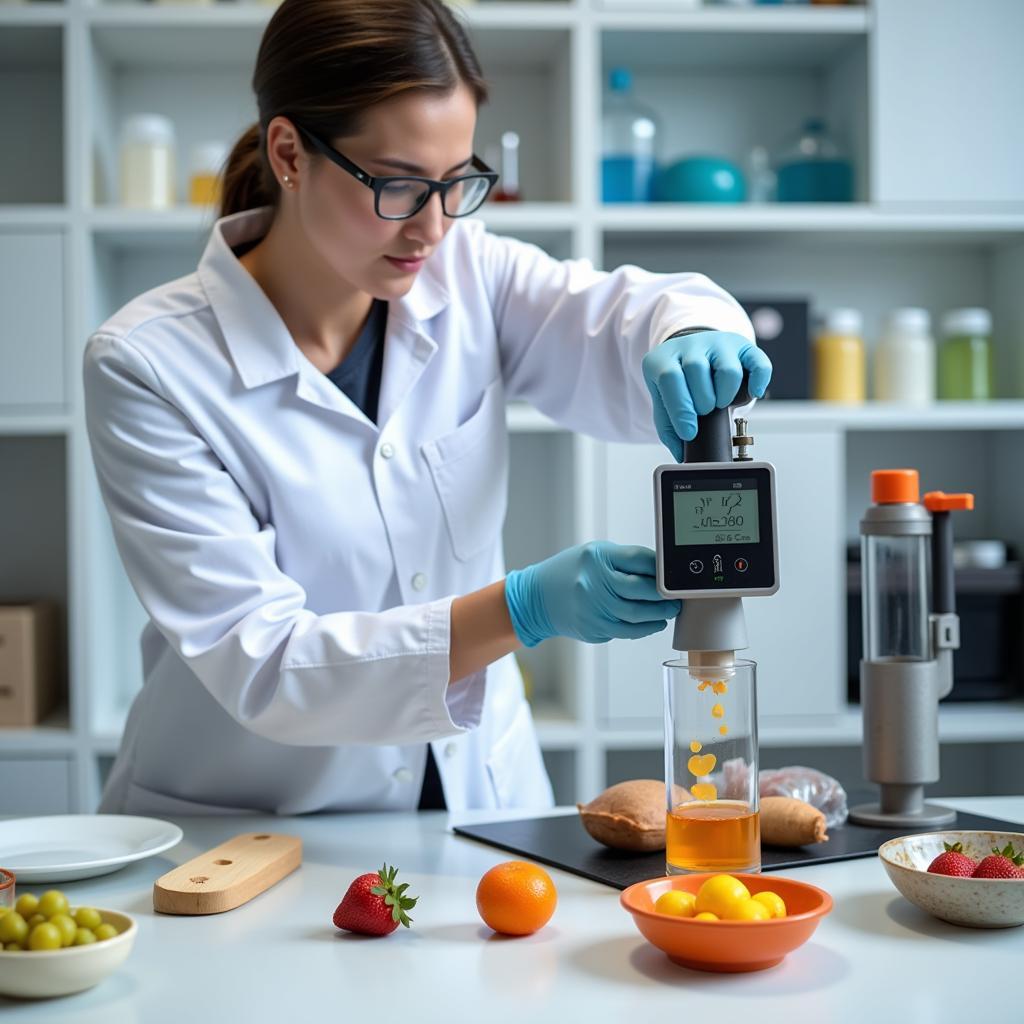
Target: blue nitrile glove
593,592
691,374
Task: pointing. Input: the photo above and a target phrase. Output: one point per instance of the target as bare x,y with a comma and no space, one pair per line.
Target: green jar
965,357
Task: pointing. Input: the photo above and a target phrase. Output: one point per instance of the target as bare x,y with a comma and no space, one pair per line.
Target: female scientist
303,451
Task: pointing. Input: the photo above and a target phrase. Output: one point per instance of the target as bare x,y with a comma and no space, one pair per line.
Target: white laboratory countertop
279,958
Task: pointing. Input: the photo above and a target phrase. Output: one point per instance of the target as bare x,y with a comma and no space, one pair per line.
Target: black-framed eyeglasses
398,197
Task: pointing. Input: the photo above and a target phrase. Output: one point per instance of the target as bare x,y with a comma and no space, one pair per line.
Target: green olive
34,920
66,927
83,937
87,917
13,947
27,905
13,928
53,902
105,931
45,936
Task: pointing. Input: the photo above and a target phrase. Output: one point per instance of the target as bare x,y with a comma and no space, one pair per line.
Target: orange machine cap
939,501
894,486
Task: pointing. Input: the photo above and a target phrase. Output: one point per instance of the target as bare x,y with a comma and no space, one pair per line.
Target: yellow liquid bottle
840,365
208,159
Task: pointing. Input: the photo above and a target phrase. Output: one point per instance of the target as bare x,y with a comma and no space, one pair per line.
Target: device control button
696,567
716,565
741,564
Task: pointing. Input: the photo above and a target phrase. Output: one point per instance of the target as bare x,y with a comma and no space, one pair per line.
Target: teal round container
701,179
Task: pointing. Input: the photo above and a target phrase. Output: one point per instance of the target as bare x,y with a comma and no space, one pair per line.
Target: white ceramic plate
63,847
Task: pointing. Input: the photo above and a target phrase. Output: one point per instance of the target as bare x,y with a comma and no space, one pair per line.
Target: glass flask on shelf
629,134
813,168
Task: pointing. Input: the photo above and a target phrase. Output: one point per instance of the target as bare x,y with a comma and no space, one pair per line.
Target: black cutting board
563,843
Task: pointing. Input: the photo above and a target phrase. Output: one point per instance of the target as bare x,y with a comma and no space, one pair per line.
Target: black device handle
943,584
713,442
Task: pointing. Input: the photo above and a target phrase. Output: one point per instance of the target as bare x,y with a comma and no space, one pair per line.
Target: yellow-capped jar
840,367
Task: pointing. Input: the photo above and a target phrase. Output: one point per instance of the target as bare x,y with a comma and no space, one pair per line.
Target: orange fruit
516,898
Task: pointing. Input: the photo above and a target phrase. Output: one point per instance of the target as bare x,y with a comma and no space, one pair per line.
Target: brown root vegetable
629,815
786,821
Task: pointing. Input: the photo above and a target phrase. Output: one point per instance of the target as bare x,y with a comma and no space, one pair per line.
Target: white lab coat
298,562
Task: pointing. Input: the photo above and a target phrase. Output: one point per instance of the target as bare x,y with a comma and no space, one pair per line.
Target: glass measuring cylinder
711,766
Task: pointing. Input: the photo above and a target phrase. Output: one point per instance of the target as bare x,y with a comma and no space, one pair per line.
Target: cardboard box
28,662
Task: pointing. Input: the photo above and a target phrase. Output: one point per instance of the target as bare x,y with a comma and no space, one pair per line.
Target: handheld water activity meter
716,530
716,539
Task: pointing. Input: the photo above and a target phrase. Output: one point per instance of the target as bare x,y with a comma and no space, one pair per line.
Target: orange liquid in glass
720,835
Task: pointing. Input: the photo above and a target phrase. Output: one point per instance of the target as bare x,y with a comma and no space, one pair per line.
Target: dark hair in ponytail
326,62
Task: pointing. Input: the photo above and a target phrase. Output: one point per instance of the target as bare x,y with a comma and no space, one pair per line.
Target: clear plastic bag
807,784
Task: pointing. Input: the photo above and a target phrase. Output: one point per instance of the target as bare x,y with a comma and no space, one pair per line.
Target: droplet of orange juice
719,687
704,685
723,729
695,747
718,711
704,791
701,764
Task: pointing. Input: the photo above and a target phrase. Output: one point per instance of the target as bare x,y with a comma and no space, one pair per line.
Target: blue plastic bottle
629,136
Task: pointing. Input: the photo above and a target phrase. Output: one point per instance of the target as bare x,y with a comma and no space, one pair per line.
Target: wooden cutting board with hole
228,875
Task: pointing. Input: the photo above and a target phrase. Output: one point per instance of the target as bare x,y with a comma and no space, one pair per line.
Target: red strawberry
374,905
1005,863
953,862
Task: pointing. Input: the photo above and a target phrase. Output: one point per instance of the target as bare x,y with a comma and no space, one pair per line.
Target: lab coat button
419,581
402,775
449,750
387,450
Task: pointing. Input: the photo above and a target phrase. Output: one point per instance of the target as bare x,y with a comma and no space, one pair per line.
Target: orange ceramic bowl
727,946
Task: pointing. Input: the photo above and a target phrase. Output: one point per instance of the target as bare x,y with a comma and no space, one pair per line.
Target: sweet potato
628,816
789,822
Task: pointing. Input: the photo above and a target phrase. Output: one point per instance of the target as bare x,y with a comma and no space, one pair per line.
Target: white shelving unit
722,79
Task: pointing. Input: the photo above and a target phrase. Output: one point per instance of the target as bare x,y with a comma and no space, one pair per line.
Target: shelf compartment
538,524
33,329
52,734
874,276
37,784
32,111
722,93
201,81
528,71
34,553
198,79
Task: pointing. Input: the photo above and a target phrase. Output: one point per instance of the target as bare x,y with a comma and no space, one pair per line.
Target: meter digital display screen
707,515
716,529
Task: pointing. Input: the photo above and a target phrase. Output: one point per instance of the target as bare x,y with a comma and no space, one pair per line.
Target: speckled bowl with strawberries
975,902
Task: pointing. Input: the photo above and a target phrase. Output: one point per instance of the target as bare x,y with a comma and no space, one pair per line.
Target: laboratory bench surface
279,958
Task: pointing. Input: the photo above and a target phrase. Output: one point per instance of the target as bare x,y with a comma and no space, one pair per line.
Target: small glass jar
206,165
8,895
840,365
713,816
147,162
905,359
965,358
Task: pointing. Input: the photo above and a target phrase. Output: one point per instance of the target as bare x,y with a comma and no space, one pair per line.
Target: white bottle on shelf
905,358
147,162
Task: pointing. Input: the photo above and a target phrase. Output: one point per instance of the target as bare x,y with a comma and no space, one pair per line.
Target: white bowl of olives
51,949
